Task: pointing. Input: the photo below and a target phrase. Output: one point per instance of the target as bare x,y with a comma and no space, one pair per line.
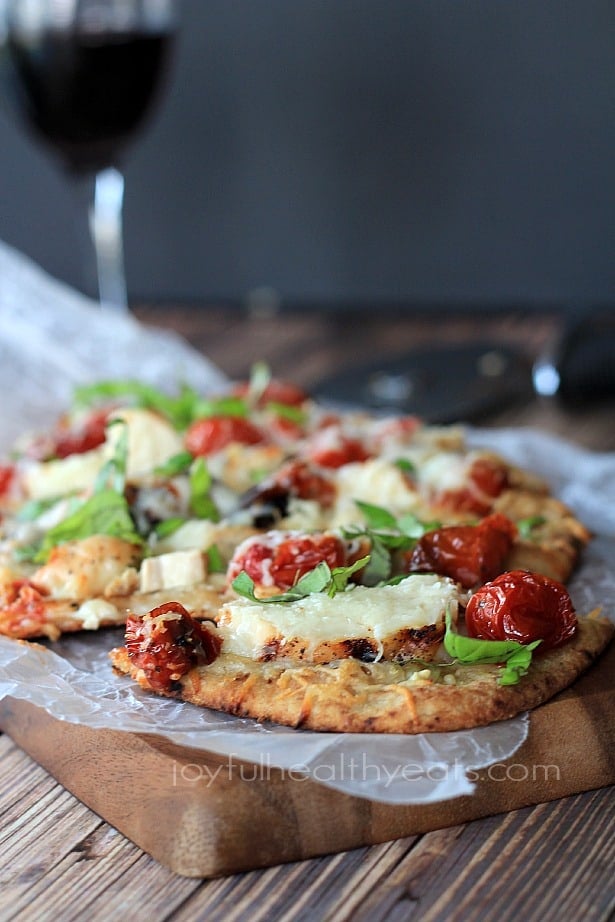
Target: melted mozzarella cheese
376,481
151,441
95,612
195,533
249,628
47,479
444,471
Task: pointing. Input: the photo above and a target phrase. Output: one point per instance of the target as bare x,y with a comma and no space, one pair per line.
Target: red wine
86,95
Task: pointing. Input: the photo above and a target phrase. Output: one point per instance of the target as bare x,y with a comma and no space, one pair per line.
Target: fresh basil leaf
525,527
379,564
405,465
243,585
104,513
177,464
413,527
220,406
143,394
515,657
201,503
320,579
406,525
181,410
215,561
518,664
286,411
341,575
376,516
168,527
315,581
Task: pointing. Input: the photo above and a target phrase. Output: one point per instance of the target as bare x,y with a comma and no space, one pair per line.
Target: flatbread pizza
275,559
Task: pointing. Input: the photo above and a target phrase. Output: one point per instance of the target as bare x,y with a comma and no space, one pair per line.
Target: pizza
276,559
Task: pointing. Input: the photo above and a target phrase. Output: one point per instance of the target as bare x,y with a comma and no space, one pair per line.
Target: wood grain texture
526,864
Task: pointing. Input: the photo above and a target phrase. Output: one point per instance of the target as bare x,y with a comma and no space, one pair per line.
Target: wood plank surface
553,861
60,861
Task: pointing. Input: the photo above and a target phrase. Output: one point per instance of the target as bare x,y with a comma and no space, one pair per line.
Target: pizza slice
383,659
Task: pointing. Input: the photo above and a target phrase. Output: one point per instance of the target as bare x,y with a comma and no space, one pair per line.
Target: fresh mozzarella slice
375,481
390,622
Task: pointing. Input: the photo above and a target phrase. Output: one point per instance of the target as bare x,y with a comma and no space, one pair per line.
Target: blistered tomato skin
344,451
22,603
469,554
207,436
522,606
300,479
297,479
487,479
166,648
279,564
88,436
7,473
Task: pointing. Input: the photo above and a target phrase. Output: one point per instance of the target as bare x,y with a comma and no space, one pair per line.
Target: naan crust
381,697
555,546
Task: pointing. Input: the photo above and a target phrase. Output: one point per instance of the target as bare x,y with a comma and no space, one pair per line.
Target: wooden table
548,862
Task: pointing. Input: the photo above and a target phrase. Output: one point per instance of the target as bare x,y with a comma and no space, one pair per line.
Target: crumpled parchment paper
51,338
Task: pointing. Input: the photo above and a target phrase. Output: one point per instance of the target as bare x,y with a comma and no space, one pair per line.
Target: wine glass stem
106,220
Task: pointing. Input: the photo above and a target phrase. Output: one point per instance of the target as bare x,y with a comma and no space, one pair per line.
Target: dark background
361,151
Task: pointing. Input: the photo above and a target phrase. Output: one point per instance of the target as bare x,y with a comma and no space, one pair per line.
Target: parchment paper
52,338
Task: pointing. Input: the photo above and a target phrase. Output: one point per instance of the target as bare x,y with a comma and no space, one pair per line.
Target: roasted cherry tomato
166,643
207,436
487,478
396,429
470,554
7,472
275,392
285,428
331,448
298,478
277,563
523,606
89,435
269,500
23,607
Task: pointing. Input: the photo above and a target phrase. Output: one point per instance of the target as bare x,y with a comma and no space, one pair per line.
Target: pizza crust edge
347,699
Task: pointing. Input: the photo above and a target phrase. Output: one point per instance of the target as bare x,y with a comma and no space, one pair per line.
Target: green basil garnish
515,657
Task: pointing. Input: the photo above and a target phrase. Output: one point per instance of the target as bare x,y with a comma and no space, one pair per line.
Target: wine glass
84,74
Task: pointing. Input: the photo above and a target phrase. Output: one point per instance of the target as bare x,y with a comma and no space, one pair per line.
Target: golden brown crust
381,697
555,545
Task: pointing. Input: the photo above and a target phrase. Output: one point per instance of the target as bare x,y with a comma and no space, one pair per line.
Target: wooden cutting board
202,818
